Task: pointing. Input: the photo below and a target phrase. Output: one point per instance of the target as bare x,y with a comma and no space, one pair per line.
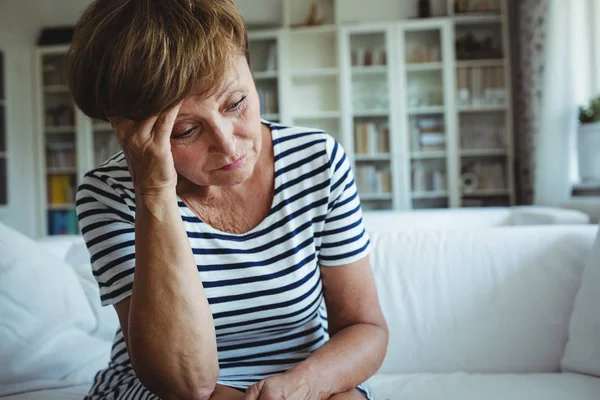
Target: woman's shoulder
109,182
113,172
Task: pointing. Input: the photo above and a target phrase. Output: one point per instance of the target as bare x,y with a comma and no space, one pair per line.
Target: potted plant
588,141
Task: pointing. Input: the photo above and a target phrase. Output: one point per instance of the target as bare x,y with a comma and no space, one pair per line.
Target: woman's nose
224,141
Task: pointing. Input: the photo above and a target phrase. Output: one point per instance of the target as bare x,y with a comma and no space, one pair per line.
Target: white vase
588,149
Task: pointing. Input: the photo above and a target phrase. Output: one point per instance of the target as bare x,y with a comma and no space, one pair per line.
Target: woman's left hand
281,387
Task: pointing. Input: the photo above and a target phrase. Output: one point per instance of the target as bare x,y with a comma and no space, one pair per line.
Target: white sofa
485,313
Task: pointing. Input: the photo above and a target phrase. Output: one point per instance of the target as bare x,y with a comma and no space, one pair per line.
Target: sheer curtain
556,39
567,83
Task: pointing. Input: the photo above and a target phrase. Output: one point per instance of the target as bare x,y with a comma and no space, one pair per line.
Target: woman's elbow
190,385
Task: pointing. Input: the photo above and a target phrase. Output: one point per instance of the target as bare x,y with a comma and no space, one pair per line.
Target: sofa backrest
471,218
485,300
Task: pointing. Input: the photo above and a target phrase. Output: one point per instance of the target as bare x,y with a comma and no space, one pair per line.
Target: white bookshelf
372,68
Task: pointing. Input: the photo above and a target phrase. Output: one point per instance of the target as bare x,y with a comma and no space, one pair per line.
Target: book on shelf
427,134
272,58
106,148
426,179
63,222
371,180
268,101
482,136
371,138
60,155
61,189
479,86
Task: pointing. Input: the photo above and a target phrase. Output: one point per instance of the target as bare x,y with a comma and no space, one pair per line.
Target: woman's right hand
147,148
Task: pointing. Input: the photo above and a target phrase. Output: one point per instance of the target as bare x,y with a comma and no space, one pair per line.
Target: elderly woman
231,248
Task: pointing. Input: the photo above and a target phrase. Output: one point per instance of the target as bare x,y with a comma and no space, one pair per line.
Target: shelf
260,75
56,89
487,193
315,73
369,70
270,117
60,129
61,207
102,126
318,115
375,196
262,34
477,18
303,30
433,194
61,171
483,152
426,110
371,113
423,155
431,66
480,63
478,109
373,157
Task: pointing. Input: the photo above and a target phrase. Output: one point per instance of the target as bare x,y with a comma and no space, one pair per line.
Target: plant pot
588,151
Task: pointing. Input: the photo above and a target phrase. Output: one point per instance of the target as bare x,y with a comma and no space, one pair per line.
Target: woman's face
217,141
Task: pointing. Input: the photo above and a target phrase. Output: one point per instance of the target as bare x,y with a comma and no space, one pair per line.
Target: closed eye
184,134
237,106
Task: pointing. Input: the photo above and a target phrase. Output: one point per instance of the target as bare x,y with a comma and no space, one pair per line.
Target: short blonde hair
138,58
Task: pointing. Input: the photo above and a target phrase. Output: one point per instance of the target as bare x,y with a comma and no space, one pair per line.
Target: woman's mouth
234,165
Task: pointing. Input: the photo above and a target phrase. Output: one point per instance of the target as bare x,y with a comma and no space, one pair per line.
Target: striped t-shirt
264,287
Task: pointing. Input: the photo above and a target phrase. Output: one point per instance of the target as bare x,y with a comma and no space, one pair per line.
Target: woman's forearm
348,359
171,335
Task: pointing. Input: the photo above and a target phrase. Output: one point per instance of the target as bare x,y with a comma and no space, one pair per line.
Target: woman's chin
232,178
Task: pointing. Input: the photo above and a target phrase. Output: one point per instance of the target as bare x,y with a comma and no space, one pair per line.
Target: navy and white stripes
263,287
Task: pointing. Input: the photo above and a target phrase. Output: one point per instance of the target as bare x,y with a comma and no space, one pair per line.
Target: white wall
22,168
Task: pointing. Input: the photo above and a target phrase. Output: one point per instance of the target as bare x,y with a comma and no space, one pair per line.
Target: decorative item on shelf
370,95
469,182
313,18
469,47
489,175
424,8
588,141
362,57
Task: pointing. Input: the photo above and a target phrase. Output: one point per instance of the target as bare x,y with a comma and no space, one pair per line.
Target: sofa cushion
462,386
488,300
108,321
45,320
582,353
